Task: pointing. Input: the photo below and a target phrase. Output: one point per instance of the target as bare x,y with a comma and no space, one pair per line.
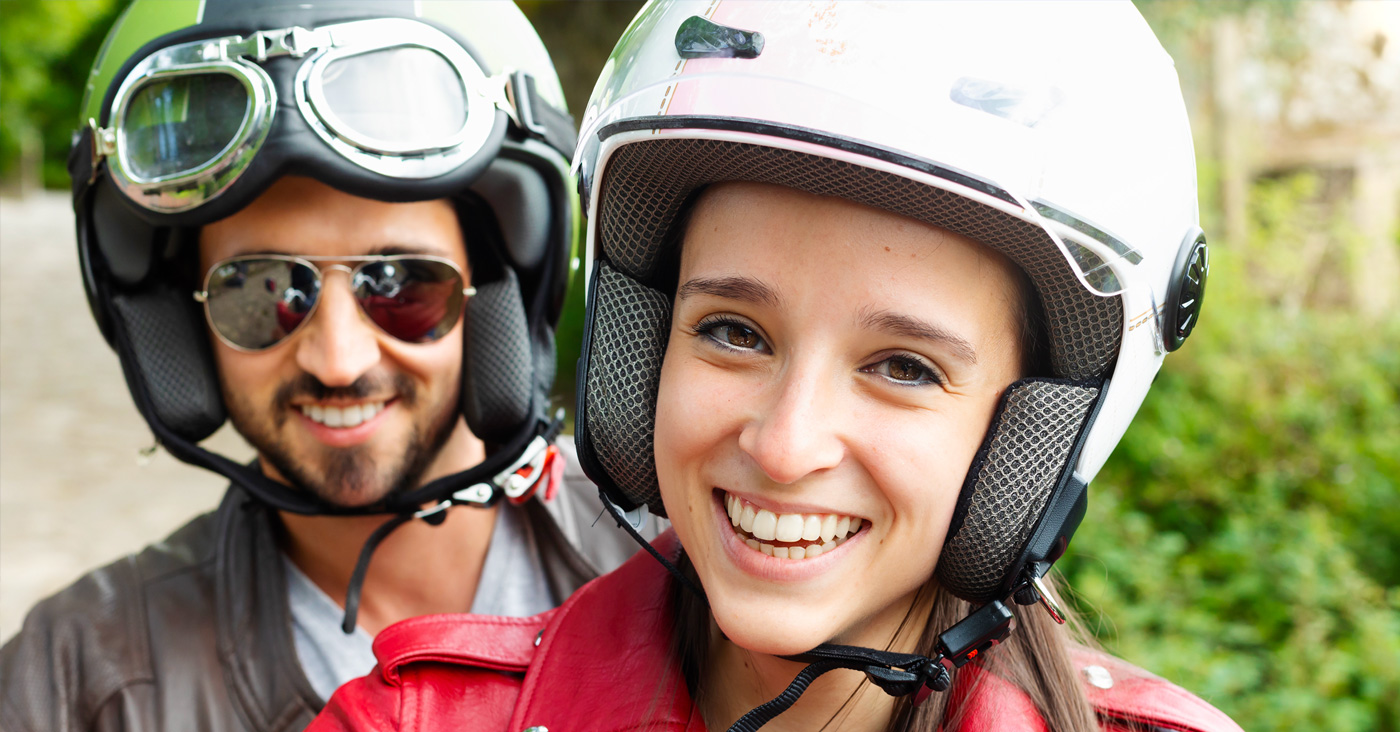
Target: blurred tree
579,36
46,49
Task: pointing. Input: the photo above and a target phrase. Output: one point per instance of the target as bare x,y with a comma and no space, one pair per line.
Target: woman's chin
772,636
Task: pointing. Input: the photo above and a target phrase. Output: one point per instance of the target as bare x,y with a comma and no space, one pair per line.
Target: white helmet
1052,132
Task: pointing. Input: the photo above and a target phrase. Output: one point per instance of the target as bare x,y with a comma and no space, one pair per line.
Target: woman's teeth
342,416
825,531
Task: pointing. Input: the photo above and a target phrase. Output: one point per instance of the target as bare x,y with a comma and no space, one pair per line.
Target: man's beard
350,475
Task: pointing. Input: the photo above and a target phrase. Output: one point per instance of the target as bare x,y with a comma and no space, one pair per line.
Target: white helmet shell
1068,119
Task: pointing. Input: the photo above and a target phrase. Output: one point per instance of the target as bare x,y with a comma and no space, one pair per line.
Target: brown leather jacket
194,632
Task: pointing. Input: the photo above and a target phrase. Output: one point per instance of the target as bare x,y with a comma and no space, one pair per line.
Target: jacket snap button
1098,676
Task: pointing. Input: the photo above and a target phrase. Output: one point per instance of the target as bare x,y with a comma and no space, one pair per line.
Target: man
346,228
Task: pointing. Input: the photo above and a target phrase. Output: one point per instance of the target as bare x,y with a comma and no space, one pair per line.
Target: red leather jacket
601,663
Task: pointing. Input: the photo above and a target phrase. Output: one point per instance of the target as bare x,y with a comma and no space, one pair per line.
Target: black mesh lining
646,183
172,351
1018,467
498,364
631,323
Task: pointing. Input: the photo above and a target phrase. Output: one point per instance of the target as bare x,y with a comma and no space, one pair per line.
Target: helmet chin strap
897,674
517,482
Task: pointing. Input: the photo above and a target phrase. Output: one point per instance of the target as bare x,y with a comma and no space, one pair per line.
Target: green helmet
194,107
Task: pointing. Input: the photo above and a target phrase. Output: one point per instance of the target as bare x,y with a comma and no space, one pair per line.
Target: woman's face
831,371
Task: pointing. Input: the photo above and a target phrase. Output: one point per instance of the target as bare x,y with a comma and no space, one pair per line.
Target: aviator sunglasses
255,301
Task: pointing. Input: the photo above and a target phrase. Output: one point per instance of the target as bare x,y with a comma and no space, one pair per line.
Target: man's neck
419,569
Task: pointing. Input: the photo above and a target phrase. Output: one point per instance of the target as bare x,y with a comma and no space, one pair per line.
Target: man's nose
796,432
339,345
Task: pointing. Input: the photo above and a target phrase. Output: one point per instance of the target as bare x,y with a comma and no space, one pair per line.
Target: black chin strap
480,495
897,674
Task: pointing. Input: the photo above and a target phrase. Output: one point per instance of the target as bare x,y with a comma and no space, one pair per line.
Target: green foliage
46,49
1244,540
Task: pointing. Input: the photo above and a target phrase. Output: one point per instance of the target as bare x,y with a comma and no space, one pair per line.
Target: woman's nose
798,433
339,344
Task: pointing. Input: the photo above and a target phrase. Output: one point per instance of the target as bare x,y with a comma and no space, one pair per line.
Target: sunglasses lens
413,300
255,303
175,125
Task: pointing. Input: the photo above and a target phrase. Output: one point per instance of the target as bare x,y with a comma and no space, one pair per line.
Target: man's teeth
825,530
342,416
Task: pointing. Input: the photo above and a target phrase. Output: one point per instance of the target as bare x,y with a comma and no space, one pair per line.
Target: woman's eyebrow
745,289
911,327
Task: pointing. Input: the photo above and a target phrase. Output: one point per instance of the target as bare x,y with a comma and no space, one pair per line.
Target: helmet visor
176,125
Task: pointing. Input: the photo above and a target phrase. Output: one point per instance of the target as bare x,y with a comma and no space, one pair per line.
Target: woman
875,289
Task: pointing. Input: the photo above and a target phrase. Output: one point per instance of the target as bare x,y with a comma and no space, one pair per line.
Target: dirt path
72,496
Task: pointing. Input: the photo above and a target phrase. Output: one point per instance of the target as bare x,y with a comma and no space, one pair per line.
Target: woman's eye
905,370
732,335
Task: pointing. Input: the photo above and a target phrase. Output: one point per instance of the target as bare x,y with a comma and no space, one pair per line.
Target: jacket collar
253,619
604,660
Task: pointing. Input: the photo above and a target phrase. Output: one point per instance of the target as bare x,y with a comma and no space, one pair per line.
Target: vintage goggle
253,302
394,96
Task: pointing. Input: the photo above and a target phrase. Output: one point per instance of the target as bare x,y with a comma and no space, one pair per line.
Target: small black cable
617,514
357,578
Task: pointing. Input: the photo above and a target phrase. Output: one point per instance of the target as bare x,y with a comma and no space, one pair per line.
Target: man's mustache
368,385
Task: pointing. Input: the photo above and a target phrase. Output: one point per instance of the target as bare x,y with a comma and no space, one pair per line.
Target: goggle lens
398,94
254,303
174,125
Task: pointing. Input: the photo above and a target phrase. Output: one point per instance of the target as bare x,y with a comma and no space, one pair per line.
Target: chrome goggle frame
240,56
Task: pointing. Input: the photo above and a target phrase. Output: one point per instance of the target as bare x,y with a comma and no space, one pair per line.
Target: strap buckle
519,95
518,481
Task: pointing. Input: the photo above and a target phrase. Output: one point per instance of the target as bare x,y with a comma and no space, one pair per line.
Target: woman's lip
345,436
780,508
773,569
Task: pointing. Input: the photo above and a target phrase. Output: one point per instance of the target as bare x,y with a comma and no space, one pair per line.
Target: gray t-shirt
512,583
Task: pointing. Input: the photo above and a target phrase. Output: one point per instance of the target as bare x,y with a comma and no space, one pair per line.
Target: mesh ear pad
1016,470
173,363
497,365
629,333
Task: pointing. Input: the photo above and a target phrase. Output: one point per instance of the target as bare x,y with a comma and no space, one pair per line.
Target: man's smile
343,415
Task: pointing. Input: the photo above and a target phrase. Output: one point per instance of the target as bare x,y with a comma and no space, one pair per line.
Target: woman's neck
737,680
734,680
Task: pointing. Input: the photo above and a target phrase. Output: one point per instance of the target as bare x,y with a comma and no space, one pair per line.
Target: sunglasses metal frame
202,296
240,56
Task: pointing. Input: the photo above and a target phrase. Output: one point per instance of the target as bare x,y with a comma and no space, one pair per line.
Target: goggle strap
536,117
